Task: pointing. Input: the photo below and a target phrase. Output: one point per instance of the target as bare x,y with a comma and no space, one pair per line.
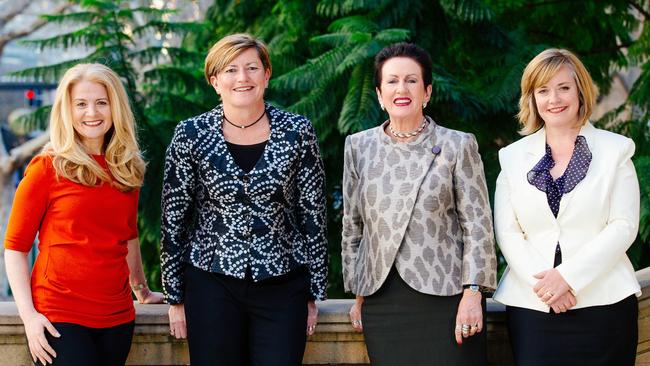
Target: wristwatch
473,288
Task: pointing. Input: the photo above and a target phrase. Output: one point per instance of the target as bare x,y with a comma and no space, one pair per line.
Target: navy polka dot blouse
540,177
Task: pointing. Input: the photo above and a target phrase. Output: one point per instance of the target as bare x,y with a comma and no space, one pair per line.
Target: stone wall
335,343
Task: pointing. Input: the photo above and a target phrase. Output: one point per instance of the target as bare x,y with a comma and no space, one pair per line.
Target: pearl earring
424,105
381,105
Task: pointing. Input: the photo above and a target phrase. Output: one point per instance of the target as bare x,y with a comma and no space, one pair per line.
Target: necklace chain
409,134
244,126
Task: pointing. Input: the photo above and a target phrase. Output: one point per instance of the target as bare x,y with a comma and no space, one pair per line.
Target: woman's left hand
551,286
146,296
470,315
312,317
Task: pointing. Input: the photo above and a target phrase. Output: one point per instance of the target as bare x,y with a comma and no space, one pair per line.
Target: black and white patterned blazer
219,218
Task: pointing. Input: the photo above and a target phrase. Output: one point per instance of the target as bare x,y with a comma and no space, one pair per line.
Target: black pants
595,336
83,346
234,322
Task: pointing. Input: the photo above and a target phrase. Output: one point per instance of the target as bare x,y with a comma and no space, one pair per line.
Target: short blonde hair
120,149
228,48
538,72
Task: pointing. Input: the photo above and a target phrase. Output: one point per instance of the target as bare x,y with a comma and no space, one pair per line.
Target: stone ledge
334,343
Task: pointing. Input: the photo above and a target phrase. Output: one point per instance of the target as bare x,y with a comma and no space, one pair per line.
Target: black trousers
83,346
597,335
234,322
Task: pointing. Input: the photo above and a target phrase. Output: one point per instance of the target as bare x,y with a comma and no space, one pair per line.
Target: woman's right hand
355,314
177,325
35,325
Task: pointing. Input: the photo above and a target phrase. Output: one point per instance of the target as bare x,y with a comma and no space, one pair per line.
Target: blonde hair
228,48
538,72
121,150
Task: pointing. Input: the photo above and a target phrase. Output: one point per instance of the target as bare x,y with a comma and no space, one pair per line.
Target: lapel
587,131
406,165
536,148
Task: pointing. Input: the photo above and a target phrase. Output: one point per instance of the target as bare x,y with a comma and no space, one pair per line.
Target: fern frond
177,55
147,12
306,76
360,108
472,11
351,24
72,18
179,28
359,54
49,73
393,35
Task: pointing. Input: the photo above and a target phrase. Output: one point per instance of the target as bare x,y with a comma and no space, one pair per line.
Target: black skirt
598,335
402,326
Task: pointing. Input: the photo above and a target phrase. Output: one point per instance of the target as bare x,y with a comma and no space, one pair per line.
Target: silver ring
549,294
465,327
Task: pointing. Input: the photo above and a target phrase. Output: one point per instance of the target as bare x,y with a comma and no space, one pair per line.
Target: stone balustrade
334,343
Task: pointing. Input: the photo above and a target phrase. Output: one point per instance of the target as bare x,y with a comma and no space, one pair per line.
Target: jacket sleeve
177,205
522,258
601,253
352,222
474,216
312,210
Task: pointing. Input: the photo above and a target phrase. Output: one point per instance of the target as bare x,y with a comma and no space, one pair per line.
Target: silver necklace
404,135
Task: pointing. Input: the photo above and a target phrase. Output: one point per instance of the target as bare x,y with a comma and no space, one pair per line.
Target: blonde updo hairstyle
228,48
538,72
120,149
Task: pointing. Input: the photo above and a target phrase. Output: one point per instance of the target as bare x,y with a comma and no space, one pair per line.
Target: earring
381,105
424,105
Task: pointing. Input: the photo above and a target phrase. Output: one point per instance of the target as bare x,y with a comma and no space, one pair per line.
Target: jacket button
245,179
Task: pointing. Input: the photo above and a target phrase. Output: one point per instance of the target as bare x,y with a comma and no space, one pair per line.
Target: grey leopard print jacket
421,206
222,219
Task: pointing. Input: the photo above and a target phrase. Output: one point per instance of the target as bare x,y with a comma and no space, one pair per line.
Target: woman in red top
81,196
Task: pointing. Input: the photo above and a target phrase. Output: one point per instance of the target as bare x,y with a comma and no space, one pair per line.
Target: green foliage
121,37
322,53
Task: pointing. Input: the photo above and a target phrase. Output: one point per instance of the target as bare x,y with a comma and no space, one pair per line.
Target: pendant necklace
244,126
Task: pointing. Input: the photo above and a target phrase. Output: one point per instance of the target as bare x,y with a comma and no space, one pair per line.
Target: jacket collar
537,143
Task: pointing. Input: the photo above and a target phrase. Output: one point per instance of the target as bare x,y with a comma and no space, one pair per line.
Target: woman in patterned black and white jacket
244,254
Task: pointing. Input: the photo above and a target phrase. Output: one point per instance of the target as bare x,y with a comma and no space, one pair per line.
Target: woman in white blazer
566,210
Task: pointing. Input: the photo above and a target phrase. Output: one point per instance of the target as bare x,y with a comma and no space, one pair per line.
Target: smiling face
243,81
91,114
558,100
402,89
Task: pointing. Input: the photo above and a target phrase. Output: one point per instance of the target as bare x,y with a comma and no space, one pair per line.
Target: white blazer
597,222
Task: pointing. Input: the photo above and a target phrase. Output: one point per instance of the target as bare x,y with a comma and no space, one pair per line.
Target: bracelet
139,286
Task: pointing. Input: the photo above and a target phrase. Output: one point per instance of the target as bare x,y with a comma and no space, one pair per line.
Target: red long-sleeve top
80,275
